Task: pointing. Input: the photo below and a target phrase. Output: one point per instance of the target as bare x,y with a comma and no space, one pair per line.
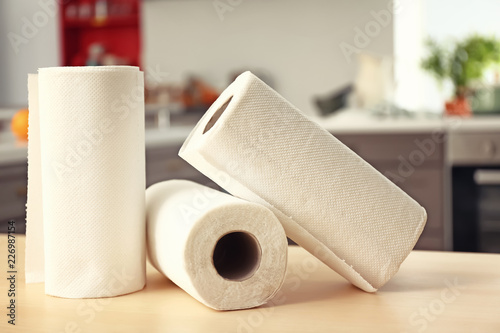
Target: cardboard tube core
217,115
237,256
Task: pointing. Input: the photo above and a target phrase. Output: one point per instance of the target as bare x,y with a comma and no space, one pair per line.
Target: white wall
408,52
39,46
297,41
460,18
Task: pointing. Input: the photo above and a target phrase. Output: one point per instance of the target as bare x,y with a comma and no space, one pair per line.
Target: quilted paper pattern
329,200
93,181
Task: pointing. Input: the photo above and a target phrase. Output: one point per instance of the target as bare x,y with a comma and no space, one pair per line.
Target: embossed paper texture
226,252
87,175
259,147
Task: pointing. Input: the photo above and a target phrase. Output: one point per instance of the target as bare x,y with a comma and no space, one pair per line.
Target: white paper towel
259,147
227,253
92,171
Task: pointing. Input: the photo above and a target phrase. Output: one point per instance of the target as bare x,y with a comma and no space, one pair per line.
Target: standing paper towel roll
227,253
92,173
328,199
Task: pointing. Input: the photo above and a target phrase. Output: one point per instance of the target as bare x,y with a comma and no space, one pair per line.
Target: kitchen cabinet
13,183
162,163
417,168
425,183
96,32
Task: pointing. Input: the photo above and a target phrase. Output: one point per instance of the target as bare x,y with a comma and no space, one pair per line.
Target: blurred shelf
109,22
117,33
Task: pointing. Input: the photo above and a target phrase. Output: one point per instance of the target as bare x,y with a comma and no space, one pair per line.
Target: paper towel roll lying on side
227,253
329,200
87,171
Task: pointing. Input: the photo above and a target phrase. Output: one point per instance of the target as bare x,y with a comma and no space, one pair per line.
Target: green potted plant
462,63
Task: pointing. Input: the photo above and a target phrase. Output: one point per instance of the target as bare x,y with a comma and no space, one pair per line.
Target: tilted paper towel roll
329,200
227,253
91,169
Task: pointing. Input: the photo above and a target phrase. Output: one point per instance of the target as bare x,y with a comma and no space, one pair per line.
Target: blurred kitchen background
412,86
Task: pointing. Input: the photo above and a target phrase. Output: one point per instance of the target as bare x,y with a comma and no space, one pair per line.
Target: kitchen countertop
354,121
432,292
349,121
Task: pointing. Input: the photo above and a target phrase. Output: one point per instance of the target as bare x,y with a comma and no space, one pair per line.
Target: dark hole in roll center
237,256
217,115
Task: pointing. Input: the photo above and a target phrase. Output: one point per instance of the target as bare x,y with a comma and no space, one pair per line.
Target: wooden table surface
432,292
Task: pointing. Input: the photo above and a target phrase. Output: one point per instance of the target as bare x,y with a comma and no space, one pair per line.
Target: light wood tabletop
432,292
